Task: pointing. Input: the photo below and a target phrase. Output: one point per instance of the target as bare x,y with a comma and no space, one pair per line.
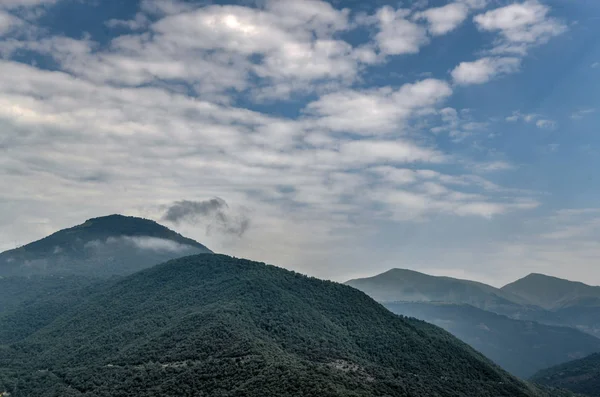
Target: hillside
520,347
100,247
554,293
411,286
581,376
219,326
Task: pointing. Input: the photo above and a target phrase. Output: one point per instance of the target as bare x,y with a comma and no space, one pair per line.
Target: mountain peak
409,285
113,244
552,292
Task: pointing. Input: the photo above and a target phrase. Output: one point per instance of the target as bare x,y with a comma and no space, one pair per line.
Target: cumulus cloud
484,69
398,35
533,118
215,213
459,126
377,111
157,114
442,20
520,25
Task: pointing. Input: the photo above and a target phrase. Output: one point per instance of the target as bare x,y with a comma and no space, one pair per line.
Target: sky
338,139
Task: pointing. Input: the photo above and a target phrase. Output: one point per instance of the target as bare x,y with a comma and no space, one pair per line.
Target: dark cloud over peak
214,213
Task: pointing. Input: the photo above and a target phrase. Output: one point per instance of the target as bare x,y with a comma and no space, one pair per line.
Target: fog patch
156,244
214,214
145,243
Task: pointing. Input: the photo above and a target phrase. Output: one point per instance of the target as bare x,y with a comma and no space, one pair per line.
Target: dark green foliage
520,347
100,247
211,325
17,291
581,376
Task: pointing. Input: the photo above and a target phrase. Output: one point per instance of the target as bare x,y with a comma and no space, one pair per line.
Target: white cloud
11,4
546,124
140,21
494,166
442,20
289,48
373,152
151,118
8,22
580,114
595,65
165,7
484,69
378,111
398,35
459,126
520,25
474,4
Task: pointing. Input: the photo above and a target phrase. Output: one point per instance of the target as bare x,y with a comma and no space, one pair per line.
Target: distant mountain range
100,247
542,304
554,293
521,347
411,286
219,326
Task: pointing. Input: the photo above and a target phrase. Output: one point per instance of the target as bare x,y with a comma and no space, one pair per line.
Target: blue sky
341,138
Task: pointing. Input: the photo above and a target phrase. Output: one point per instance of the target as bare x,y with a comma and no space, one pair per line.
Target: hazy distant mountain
581,376
100,247
219,326
520,347
411,286
573,303
554,293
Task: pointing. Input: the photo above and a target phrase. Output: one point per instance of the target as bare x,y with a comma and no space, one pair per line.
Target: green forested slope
581,376
212,325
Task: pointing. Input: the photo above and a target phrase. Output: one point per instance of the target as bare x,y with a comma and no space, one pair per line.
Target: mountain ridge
552,292
224,326
579,376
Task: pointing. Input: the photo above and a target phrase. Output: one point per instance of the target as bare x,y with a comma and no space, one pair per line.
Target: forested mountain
510,327
520,347
218,326
581,376
100,247
554,293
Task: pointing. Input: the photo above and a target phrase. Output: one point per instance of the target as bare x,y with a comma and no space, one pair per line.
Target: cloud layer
277,109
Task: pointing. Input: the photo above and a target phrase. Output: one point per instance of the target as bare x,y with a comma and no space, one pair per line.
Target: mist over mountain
100,247
522,326
220,326
520,347
411,286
